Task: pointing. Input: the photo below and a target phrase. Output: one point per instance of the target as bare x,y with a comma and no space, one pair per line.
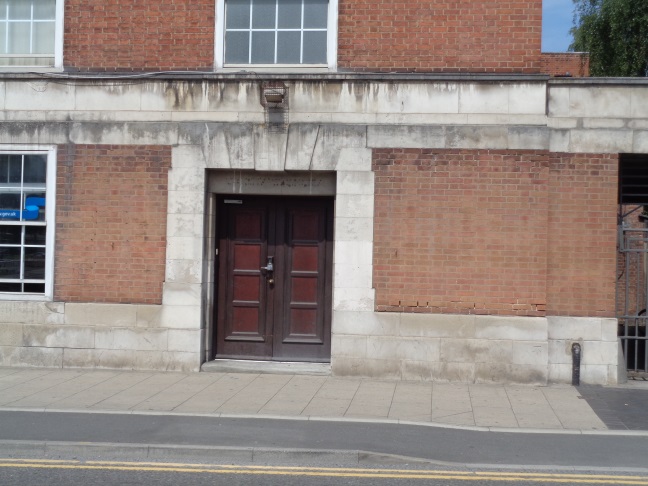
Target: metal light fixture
274,99
274,94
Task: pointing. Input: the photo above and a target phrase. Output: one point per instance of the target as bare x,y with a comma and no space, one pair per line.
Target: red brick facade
111,210
146,35
416,36
569,64
494,232
440,35
583,191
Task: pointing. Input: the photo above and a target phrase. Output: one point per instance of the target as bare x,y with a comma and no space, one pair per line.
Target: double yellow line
494,476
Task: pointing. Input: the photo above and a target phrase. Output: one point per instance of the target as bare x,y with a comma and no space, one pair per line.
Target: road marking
327,472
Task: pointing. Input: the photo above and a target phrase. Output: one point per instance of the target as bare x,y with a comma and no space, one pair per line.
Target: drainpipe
576,360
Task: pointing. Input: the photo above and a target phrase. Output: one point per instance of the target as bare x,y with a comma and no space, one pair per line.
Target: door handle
268,270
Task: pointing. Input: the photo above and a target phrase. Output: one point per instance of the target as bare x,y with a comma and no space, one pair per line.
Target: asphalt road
451,446
54,473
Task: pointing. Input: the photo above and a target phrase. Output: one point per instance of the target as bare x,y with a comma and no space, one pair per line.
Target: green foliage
615,33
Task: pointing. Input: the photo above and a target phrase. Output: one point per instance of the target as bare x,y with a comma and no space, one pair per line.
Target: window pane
9,205
34,235
290,14
237,47
34,207
315,14
288,47
43,38
35,288
35,169
314,48
3,9
34,263
9,262
19,38
263,45
10,235
20,9
263,14
45,9
4,168
3,38
238,14
11,287
14,169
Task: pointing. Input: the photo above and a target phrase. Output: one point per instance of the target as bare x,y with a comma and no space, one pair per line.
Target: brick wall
574,64
494,232
111,209
438,35
432,35
583,192
126,35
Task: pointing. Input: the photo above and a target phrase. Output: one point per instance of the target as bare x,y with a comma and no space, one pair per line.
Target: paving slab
253,397
220,391
54,394
97,393
290,395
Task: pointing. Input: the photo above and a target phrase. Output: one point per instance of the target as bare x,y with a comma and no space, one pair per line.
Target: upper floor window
278,32
31,33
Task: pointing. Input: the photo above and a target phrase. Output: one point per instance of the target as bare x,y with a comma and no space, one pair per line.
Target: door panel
242,328
284,314
304,323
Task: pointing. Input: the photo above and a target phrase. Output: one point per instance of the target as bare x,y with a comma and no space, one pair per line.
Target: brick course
494,232
440,35
111,210
146,35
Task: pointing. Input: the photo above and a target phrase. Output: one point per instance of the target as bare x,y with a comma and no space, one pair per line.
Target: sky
557,19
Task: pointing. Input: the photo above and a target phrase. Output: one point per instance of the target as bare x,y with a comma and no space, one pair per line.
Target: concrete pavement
549,408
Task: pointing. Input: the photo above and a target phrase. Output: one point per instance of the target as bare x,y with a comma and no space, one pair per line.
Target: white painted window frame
50,223
58,46
331,44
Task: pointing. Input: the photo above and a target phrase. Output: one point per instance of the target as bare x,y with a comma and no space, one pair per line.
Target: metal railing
632,297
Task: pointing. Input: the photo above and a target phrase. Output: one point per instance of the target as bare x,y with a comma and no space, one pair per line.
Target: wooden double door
274,278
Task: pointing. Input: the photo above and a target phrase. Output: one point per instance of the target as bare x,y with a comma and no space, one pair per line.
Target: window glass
314,47
263,48
276,31
264,14
34,263
10,263
315,14
23,225
14,169
290,14
19,40
34,235
238,14
42,37
288,47
10,235
35,169
27,32
20,9
237,45
44,10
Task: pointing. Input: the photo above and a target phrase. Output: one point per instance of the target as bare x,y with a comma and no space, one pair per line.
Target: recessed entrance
274,268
